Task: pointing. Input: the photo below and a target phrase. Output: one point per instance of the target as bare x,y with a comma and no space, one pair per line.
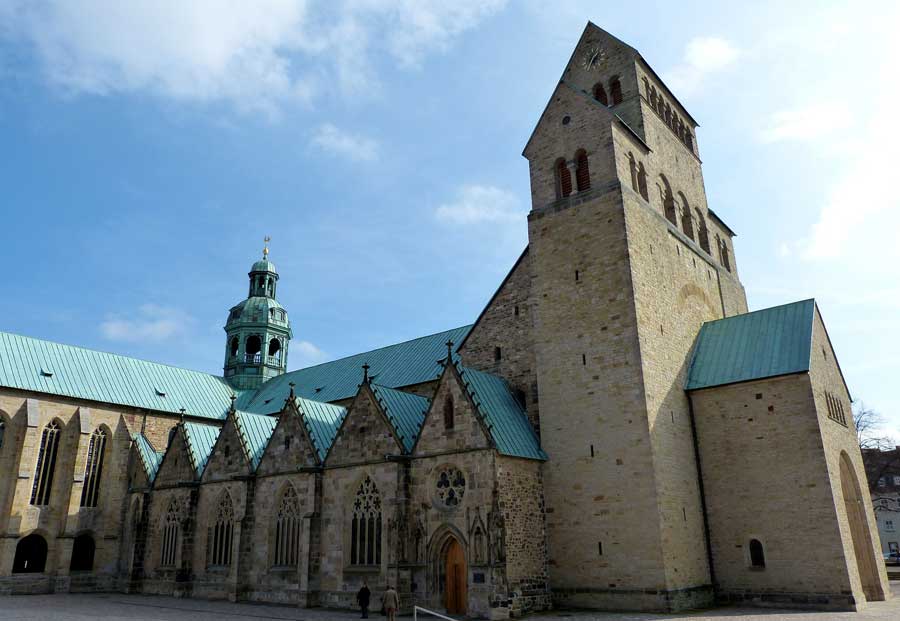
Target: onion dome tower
258,331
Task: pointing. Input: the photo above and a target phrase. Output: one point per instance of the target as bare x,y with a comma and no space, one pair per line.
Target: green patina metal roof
150,457
405,411
56,369
200,440
394,366
255,431
322,421
765,343
263,265
502,412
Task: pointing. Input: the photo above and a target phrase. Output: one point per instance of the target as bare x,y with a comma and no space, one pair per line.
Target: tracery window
365,531
582,173
451,486
220,533
169,530
93,469
46,464
287,530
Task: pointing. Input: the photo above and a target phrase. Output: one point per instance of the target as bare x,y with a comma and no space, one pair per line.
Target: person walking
391,602
362,598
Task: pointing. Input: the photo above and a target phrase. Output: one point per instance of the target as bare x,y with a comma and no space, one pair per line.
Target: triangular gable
147,456
504,416
365,434
199,440
290,445
469,430
255,432
404,410
228,456
176,465
765,343
322,421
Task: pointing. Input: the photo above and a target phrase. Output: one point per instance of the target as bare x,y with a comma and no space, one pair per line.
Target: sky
148,147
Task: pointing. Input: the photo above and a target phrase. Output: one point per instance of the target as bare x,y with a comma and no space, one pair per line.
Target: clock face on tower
594,57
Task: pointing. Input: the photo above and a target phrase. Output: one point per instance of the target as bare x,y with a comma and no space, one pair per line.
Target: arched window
218,543
632,168
83,553
668,201
93,469
654,101
365,530
702,231
757,556
582,172
687,220
275,351
252,349
31,555
448,412
563,179
615,90
726,259
233,346
600,94
46,464
642,182
287,530
689,139
667,114
169,530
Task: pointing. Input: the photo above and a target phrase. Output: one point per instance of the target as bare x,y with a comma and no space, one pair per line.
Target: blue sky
149,147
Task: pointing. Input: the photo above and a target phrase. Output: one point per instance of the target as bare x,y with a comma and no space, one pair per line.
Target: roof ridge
761,310
109,353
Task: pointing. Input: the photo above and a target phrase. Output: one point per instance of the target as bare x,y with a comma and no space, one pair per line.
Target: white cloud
337,141
702,56
477,204
808,122
305,354
257,56
152,324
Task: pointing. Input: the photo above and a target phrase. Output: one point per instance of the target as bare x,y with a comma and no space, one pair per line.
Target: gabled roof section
765,343
322,421
404,410
503,414
254,431
150,457
200,440
64,370
394,366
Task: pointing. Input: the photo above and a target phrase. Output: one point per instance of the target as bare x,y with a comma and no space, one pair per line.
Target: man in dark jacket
362,598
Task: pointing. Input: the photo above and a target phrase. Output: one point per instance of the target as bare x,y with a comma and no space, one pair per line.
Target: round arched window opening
757,555
450,486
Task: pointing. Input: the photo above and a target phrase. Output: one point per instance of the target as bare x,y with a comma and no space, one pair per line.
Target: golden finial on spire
266,241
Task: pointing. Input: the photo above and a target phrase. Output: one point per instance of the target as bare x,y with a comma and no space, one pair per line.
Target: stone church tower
258,331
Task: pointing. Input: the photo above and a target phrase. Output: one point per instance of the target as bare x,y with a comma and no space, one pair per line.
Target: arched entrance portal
455,577
31,555
859,531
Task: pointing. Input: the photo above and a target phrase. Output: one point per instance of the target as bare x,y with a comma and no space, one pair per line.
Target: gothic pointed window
448,413
582,172
93,469
563,179
365,526
600,94
642,182
169,531
632,168
46,464
221,532
287,530
615,90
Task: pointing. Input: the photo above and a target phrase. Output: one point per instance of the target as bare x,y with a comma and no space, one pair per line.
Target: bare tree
870,429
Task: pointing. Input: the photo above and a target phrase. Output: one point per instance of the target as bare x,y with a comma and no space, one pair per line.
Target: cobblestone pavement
112,607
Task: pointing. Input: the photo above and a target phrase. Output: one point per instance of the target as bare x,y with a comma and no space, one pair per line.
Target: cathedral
614,431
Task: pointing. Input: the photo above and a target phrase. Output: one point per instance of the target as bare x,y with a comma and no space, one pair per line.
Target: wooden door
457,578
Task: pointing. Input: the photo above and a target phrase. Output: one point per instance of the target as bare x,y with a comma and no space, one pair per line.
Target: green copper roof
255,431
263,265
405,411
56,369
200,440
322,421
502,412
394,366
150,457
764,343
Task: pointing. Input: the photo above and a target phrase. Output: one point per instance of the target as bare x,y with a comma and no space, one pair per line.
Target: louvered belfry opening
93,470
46,464
582,172
563,179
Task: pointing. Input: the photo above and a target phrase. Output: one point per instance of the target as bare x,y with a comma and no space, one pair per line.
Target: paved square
109,607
